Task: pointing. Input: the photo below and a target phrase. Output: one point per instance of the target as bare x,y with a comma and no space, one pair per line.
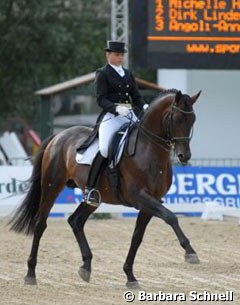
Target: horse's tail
24,218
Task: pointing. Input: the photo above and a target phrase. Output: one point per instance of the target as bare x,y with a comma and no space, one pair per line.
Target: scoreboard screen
188,34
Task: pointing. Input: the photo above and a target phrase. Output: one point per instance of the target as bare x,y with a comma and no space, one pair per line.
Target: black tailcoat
111,88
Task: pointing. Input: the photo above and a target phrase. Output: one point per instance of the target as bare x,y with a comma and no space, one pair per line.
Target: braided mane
167,91
164,92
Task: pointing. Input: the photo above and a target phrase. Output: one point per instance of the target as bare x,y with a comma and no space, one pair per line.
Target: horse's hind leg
141,224
49,194
77,221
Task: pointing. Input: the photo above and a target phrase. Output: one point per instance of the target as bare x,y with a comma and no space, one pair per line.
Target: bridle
169,142
170,125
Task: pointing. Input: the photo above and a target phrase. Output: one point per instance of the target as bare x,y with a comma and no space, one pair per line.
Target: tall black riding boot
92,196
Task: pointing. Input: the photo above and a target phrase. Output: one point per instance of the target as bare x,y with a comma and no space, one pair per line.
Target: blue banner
191,185
69,196
194,185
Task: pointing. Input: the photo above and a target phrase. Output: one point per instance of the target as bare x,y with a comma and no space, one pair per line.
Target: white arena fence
194,190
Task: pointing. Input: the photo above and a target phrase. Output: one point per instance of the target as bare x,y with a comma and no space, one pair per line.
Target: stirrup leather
92,197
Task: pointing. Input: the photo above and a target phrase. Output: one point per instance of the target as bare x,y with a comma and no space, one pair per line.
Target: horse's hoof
192,258
28,280
84,274
133,285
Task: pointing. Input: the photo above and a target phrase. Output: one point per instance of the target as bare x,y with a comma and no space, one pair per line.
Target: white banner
13,180
12,184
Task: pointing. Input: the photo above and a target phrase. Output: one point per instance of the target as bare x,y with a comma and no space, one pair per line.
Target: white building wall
217,129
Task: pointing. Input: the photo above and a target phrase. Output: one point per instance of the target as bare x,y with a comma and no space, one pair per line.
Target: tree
45,42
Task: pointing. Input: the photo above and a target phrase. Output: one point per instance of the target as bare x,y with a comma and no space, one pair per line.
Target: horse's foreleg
141,224
155,208
171,219
77,221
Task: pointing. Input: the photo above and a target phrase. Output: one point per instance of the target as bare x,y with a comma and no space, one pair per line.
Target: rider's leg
91,195
109,125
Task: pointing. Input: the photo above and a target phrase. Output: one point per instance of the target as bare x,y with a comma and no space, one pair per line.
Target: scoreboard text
189,33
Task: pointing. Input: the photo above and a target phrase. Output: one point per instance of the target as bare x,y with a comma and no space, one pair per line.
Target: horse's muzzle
184,158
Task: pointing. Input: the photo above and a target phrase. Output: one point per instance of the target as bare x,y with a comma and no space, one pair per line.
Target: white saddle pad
90,153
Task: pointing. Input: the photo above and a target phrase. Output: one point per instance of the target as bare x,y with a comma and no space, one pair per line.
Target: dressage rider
118,96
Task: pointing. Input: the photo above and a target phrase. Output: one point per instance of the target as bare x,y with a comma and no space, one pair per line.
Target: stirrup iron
92,197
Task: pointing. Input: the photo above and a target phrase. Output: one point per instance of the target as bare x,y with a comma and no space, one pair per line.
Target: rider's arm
101,90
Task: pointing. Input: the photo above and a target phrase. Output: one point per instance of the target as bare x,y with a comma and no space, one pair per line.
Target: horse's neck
154,140
153,121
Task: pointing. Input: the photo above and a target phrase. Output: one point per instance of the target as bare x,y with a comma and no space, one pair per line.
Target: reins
166,143
155,139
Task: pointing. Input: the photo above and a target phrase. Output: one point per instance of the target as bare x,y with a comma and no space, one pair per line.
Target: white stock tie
120,71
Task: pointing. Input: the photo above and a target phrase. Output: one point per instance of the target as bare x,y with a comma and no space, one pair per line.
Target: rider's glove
122,110
145,107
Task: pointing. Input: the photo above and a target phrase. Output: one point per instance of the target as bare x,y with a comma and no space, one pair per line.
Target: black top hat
115,46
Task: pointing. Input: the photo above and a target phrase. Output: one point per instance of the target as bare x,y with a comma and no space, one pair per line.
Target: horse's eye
179,120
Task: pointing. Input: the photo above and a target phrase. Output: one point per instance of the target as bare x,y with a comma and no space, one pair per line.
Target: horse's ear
195,97
178,96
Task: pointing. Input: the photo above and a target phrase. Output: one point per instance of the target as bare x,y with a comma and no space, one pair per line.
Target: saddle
127,134
124,141
92,137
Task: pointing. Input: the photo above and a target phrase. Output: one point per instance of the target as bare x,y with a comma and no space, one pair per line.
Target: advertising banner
191,189
13,184
194,184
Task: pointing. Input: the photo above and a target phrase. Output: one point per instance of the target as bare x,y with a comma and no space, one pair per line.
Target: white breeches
109,125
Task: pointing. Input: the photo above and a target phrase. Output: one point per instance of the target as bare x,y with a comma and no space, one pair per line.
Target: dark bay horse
145,178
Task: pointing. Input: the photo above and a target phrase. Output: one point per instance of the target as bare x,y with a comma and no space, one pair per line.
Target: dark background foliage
44,42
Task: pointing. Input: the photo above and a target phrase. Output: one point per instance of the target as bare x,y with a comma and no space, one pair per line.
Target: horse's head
179,124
